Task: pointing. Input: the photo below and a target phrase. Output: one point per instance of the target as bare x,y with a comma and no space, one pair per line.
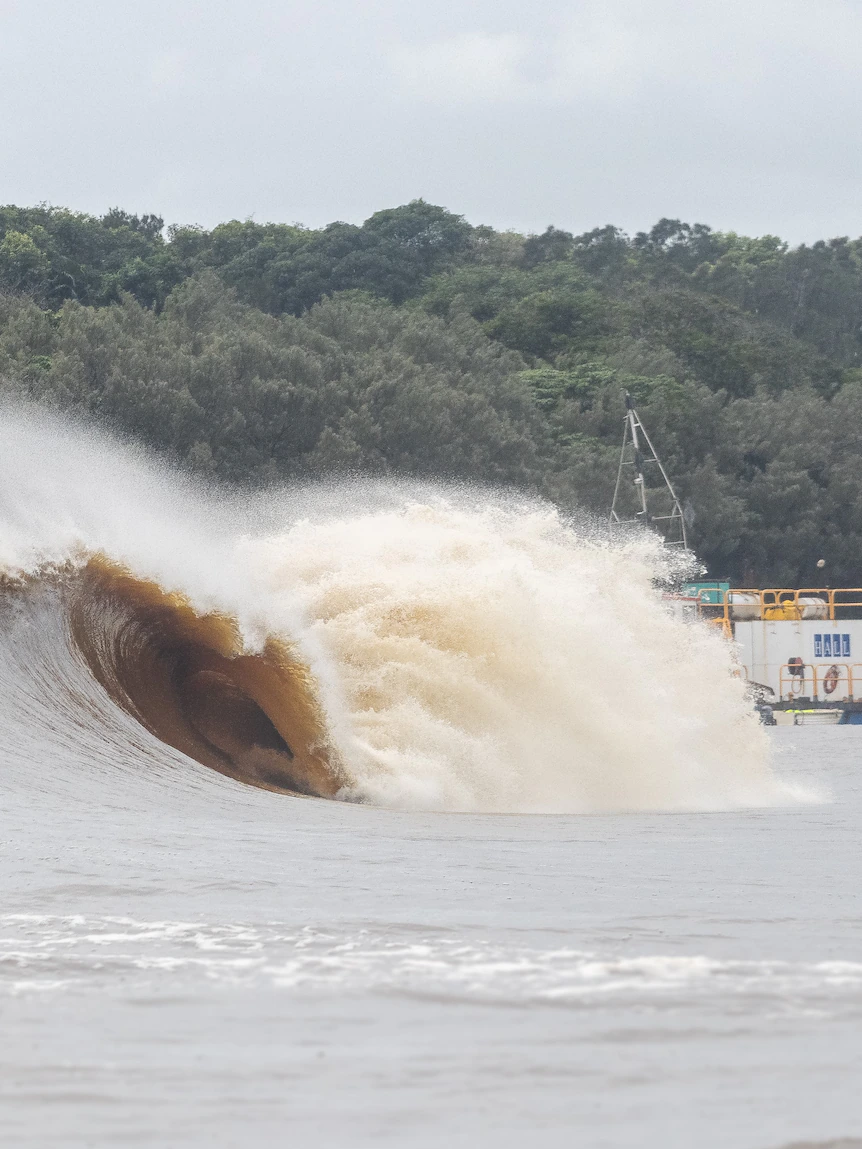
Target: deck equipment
639,503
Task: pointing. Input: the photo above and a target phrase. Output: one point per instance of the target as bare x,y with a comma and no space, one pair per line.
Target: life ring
830,679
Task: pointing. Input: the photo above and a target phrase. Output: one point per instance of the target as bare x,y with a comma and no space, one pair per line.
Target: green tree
23,265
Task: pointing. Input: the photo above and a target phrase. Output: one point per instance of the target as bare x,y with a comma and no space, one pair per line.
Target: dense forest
420,344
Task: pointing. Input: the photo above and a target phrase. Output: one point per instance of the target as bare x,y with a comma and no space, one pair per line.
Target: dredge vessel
799,650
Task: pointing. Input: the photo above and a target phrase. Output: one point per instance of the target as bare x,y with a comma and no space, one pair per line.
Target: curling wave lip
187,679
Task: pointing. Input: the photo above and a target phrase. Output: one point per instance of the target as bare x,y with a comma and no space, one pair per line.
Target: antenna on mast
630,506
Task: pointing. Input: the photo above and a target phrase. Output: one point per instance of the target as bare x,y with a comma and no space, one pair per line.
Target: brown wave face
185,677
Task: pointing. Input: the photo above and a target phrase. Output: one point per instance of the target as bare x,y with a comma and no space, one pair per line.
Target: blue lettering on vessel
818,646
845,645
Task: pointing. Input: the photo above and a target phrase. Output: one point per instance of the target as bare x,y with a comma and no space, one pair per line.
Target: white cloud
740,113
169,70
611,50
470,67
505,68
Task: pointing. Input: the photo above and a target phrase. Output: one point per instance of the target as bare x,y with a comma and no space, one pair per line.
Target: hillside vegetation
420,344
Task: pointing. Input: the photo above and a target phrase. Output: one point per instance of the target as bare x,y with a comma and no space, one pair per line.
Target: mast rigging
638,453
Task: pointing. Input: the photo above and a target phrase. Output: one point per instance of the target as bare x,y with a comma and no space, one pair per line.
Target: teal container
712,593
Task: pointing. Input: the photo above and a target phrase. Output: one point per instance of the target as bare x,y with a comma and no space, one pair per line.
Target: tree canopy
419,343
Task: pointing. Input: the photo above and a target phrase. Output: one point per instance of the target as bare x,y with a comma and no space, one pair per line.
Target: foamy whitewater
393,814
422,648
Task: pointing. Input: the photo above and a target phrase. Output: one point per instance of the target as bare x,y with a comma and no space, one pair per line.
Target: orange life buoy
830,679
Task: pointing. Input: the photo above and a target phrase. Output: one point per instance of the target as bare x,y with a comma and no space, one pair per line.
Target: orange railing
837,682
724,622
779,604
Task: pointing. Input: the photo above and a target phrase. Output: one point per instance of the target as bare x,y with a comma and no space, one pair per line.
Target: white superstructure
817,659
801,645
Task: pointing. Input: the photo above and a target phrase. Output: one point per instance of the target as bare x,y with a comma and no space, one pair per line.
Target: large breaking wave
401,644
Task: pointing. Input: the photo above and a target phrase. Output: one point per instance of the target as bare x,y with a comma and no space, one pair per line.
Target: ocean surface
377,814
206,964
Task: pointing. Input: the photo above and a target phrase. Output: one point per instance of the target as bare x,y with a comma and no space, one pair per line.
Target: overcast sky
744,114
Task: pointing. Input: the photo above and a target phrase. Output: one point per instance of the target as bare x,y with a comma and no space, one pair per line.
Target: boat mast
639,453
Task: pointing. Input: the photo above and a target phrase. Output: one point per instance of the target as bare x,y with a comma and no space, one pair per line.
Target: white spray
471,652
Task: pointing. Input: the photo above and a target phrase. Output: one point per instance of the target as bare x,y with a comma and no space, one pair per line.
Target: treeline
418,343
